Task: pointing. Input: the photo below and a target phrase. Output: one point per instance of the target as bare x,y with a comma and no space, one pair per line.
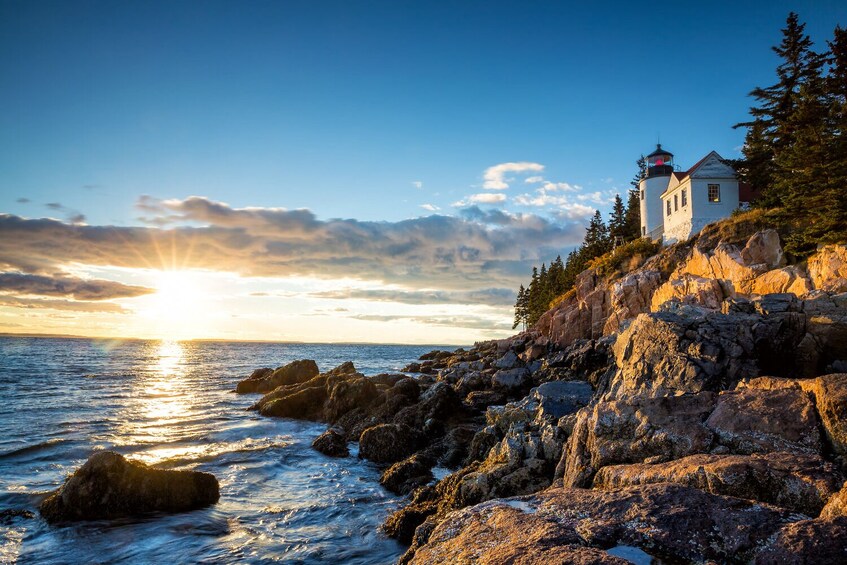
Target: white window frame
684,197
668,207
717,188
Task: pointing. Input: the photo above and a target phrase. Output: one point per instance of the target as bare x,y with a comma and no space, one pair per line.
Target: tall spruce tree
596,237
617,220
632,217
521,308
771,130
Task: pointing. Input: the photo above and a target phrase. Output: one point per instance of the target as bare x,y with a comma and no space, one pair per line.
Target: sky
336,171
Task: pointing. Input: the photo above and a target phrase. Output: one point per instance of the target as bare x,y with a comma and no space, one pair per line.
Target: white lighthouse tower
651,187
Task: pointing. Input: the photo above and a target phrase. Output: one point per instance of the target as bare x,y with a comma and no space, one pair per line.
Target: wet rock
388,443
757,421
407,475
681,524
478,401
9,515
807,542
346,394
437,404
109,486
332,442
801,483
305,404
293,373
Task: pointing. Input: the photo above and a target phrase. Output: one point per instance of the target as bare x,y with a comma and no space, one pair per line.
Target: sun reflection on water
162,412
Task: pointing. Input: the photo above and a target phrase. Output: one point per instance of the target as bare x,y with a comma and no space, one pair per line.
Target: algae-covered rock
109,486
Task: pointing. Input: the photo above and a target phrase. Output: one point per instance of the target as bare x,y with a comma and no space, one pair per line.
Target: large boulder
801,483
836,506
830,393
265,380
109,486
304,404
808,542
388,443
680,524
828,268
687,350
636,430
347,393
760,421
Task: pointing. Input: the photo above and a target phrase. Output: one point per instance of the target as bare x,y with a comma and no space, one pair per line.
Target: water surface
169,404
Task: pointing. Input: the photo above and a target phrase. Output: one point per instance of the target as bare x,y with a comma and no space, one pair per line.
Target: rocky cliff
691,410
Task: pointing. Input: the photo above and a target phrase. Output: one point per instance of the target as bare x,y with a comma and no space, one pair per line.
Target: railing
656,234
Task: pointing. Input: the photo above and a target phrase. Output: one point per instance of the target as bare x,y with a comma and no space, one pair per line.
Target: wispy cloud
473,322
430,207
63,285
481,198
495,177
23,200
70,305
417,184
71,215
486,296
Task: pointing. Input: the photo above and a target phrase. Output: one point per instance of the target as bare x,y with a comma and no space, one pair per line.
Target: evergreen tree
521,308
771,130
617,220
596,237
632,217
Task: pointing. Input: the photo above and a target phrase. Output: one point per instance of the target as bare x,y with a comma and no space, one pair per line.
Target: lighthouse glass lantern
659,162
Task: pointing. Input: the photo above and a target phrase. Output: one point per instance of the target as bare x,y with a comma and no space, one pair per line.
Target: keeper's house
676,205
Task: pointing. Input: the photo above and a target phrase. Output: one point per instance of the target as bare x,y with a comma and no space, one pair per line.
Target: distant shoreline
224,340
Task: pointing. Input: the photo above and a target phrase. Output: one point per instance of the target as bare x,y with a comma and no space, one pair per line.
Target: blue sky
371,111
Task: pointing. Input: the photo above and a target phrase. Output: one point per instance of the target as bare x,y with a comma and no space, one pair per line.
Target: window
643,230
642,195
684,197
669,207
714,193
675,202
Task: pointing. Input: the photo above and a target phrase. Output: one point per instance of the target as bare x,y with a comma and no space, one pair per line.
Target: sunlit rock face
109,486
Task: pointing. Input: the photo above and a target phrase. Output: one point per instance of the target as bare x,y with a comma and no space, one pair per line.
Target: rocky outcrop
265,380
680,524
407,475
828,269
388,443
836,506
801,483
109,486
807,541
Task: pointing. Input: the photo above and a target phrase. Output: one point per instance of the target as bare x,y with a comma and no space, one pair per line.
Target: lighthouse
651,187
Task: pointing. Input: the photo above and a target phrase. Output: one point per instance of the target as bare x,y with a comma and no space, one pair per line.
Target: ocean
171,404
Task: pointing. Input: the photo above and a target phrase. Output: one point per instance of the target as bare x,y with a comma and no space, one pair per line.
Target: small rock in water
109,486
8,515
332,442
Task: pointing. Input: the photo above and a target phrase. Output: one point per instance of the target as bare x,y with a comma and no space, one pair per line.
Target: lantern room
659,162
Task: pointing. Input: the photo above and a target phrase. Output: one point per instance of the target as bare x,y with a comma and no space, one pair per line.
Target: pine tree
641,163
632,217
521,308
617,220
596,237
771,130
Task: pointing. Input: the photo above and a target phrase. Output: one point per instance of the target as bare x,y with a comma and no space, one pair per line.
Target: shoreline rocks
109,486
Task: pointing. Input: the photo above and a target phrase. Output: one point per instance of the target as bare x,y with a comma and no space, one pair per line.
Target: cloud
495,177
72,215
560,186
73,287
481,198
417,184
430,207
23,200
472,322
52,304
471,251
486,296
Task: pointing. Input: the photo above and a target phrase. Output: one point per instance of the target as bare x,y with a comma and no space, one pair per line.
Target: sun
180,305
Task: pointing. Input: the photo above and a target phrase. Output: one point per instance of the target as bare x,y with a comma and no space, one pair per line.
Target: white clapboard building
676,205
